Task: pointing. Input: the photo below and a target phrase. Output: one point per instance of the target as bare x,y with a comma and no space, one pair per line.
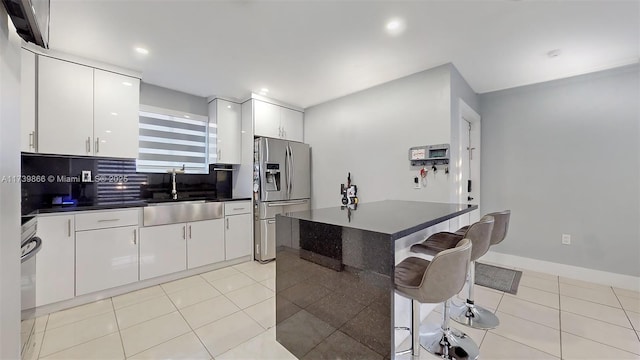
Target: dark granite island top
334,276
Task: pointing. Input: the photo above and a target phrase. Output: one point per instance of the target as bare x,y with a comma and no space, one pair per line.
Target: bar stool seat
436,281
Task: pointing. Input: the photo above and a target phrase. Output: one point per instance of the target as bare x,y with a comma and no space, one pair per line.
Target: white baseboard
568,271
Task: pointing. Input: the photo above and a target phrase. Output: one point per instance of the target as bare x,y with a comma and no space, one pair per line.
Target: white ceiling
309,52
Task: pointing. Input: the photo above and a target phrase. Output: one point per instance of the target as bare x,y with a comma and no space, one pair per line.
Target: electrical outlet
566,239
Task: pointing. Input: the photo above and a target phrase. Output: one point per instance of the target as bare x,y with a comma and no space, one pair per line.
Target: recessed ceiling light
554,53
187,116
264,90
142,50
126,83
228,106
114,113
395,26
108,131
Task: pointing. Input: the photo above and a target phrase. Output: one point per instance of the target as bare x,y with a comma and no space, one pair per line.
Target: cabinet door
28,102
238,236
65,107
163,250
292,124
266,119
55,263
106,258
205,242
229,135
115,115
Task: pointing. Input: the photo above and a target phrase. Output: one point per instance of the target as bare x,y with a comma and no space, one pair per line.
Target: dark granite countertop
125,205
396,218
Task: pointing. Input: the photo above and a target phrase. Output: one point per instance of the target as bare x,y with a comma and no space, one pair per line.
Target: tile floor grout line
529,346
138,302
529,287
593,302
76,321
43,334
601,343
600,320
118,326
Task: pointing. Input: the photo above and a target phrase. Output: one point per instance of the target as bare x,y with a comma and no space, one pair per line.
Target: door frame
466,114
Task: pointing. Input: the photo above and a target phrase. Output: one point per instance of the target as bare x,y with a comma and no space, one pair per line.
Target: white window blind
168,141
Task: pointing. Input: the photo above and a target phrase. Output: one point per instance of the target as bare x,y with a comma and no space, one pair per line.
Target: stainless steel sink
182,211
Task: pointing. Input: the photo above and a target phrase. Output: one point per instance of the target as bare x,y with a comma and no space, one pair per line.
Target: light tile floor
230,314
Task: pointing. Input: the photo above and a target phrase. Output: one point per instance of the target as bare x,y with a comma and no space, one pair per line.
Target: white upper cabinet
266,119
65,107
292,124
28,102
86,111
115,115
276,121
227,116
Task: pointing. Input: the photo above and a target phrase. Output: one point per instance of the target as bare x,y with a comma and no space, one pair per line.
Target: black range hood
31,19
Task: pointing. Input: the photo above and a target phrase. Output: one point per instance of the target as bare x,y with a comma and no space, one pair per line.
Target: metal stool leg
469,313
414,330
446,342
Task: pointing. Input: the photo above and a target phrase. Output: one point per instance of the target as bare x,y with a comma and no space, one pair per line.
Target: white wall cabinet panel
106,258
292,124
277,122
55,261
238,236
115,115
28,102
205,242
163,250
266,119
227,116
65,107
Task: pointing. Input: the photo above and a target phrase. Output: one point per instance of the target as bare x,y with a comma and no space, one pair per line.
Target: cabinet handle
97,148
238,209
189,231
184,232
69,227
32,136
89,144
227,223
108,220
135,235
219,154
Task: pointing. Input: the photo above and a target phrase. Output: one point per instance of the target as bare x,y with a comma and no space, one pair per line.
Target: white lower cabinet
106,258
238,236
55,261
205,242
163,250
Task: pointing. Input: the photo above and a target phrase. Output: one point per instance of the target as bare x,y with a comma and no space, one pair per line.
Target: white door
292,124
106,258
28,102
470,161
266,118
238,236
163,250
205,242
115,115
55,263
229,132
65,107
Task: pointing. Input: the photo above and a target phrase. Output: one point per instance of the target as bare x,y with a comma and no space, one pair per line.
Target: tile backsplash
64,181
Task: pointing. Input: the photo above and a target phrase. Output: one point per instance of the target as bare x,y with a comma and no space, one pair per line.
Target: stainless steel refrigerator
282,183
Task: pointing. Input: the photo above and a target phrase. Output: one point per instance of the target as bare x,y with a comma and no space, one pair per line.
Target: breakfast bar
334,274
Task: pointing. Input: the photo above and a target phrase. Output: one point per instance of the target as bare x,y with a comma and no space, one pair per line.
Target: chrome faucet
174,192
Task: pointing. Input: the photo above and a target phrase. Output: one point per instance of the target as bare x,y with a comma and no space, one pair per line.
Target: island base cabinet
205,243
163,250
238,236
106,258
55,261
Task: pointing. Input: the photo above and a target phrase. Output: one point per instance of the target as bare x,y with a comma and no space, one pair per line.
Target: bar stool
480,235
436,281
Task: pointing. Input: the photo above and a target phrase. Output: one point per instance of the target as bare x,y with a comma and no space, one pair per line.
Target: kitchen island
334,275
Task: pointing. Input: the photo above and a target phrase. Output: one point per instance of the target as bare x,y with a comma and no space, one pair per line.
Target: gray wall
9,191
564,157
174,100
369,133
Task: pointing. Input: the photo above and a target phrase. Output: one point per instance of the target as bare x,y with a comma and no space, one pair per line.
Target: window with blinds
120,182
172,142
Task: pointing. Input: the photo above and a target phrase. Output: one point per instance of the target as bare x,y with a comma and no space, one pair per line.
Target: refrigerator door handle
288,203
291,159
